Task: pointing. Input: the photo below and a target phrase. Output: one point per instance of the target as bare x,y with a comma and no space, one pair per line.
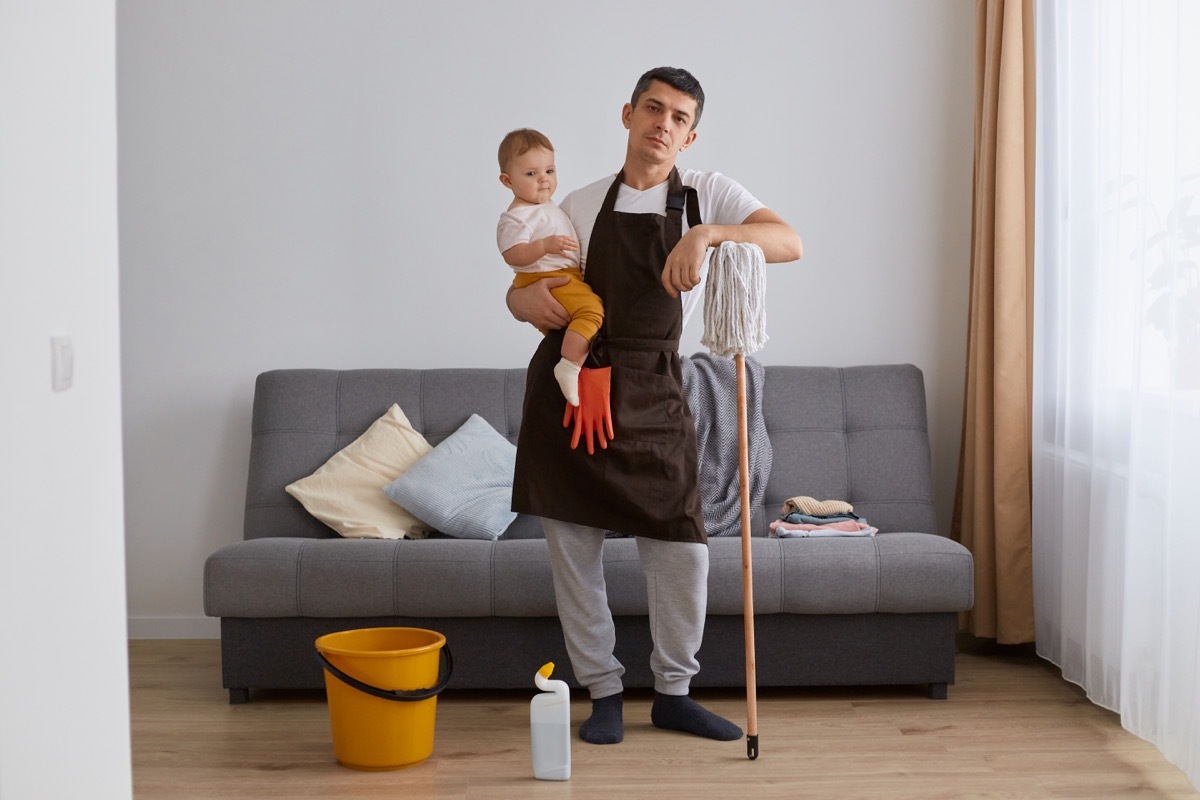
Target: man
644,265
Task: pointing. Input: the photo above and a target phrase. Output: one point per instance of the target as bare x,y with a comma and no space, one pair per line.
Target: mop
735,324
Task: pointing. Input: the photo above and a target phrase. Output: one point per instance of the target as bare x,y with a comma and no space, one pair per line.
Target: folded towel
809,505
820,519
789,530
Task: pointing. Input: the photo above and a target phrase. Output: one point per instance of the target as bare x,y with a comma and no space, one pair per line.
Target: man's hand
764,228
557,245
681,272
535,304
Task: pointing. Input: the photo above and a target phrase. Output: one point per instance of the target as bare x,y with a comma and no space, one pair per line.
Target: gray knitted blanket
710,384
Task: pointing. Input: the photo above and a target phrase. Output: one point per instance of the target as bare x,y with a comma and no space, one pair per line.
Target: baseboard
174,628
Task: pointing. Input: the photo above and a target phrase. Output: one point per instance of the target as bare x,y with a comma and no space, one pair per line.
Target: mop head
735,303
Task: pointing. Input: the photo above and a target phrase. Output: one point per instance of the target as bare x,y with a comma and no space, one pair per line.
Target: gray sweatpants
677,590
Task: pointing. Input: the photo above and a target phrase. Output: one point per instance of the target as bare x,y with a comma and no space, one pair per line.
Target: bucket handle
407,695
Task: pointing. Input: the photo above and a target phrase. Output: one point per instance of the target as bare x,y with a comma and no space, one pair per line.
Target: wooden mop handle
747,567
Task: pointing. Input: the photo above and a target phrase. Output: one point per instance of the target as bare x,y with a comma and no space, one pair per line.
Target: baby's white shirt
521,224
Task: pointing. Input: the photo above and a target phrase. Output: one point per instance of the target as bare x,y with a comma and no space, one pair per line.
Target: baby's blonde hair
520,142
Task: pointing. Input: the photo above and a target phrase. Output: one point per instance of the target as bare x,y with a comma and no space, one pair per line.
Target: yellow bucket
382,685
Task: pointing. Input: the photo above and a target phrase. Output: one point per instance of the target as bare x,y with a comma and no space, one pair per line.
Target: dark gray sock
605,725
682,713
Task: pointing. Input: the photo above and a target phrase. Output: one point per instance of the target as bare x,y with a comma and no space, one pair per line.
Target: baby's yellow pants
585,308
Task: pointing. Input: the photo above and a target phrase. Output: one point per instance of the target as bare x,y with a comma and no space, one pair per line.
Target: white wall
64,696
313,184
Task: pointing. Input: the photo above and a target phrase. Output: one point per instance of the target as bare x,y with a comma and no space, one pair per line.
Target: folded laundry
820,519
810,505
790,530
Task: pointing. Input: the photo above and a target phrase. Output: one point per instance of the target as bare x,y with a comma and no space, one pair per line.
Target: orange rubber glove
593,417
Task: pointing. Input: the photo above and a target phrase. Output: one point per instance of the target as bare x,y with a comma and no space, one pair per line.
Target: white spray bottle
550,727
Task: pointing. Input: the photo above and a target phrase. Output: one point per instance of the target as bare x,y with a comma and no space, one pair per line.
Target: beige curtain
992,506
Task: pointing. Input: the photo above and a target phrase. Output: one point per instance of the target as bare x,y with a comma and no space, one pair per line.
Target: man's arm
764,228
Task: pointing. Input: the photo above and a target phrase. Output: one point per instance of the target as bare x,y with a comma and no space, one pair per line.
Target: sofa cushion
464,486
331,578
296,577
346,491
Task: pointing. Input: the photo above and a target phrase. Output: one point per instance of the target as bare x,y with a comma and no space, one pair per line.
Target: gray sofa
828,611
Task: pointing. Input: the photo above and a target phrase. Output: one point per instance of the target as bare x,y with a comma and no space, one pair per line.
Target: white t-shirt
521,224
722,200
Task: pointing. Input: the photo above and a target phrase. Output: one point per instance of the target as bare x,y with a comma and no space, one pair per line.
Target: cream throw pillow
346,493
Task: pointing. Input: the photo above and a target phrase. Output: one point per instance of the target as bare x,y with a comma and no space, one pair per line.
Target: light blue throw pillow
463,487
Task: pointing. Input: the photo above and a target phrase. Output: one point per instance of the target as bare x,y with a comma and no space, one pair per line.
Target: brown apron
645,482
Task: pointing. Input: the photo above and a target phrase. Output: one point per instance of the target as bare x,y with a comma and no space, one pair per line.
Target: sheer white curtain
1116,428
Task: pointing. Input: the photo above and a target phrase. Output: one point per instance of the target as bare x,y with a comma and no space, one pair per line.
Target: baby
538,241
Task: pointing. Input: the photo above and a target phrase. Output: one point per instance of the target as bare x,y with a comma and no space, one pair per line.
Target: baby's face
532,176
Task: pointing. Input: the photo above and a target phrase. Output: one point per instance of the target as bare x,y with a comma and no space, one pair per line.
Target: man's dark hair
678,79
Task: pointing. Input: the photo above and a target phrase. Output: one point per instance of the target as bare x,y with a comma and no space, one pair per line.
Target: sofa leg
239,696
937,691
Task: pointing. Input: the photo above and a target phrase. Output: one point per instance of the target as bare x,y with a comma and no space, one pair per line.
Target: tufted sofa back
856,433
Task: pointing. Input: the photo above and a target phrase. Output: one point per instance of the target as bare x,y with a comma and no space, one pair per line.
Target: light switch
62,363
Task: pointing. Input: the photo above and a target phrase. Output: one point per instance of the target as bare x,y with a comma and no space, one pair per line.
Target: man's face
532,176
660,127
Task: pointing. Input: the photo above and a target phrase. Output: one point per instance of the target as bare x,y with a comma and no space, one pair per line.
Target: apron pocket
634,479
646,406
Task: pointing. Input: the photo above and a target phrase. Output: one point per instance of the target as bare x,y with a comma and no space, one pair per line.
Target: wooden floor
1011,728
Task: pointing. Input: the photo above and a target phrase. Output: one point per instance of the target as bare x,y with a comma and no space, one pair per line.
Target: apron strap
680,197
693,206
